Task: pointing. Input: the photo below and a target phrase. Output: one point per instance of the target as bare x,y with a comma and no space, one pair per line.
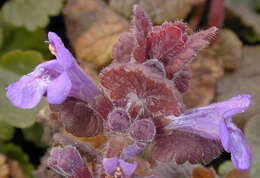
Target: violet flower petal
131,151
215,122
63,55
110,165
59,89
205,121
82,86
28,91
127,168
234,142
224,135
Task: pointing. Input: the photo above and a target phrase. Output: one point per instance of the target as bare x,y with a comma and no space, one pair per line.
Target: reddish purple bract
142,89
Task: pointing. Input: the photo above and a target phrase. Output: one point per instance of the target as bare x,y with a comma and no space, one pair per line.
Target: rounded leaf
30,13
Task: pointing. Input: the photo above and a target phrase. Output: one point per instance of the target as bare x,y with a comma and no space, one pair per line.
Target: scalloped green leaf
20,38
14,152
6,131
52,7
30,13
21,62
12,66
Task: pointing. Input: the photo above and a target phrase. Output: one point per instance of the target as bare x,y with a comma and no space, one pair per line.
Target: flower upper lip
57,78
215,122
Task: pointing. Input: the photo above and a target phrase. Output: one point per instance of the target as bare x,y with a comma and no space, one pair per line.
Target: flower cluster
138,105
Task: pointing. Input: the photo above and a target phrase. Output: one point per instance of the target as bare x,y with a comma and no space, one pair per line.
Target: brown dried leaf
235,173
93,28
15,170
158,10
243,20
206,70
230,49
245,79
4,168
202,172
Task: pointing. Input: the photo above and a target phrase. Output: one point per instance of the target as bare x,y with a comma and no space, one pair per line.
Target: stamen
52,49
118,173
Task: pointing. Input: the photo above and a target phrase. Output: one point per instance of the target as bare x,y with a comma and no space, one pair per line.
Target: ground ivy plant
137,106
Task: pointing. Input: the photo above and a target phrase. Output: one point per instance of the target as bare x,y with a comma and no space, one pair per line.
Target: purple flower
57,79
118,167
215,122
68,162
131,151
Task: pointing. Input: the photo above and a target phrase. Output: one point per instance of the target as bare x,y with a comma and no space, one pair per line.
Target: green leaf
1,30
20,38
225,168
34,134
1,37
52,7
14,152
30,13
12,66
21,62
6,131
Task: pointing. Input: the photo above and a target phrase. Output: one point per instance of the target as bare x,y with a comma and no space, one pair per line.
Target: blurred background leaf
6,131
30,13
20,38
21,62
158,10
225,168
12,38
14,152
241,18
1,37
12,65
